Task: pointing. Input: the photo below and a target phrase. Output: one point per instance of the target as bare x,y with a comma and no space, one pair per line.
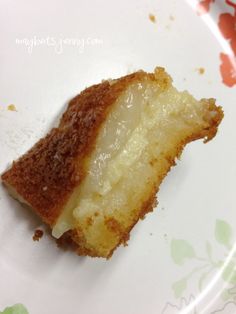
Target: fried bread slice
95,175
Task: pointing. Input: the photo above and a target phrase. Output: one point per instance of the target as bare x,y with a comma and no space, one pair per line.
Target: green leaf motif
201,280
229,273
223,233
15,309
181,250
226,296
209,250
179,287
204,277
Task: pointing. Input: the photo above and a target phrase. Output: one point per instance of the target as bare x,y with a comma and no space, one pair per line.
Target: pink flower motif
204,6
233,44
228,69
227,25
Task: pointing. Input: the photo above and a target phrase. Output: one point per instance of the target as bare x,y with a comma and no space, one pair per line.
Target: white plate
181,258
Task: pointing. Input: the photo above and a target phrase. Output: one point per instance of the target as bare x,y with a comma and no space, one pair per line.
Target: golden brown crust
48,173
46,176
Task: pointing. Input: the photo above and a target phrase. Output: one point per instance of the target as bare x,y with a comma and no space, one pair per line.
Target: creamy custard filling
141,129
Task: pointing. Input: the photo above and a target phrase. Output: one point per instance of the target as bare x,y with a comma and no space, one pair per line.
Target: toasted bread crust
47,174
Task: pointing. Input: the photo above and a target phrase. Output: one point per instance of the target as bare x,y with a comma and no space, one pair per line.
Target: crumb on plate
152,18
201,71
11,107
38,234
